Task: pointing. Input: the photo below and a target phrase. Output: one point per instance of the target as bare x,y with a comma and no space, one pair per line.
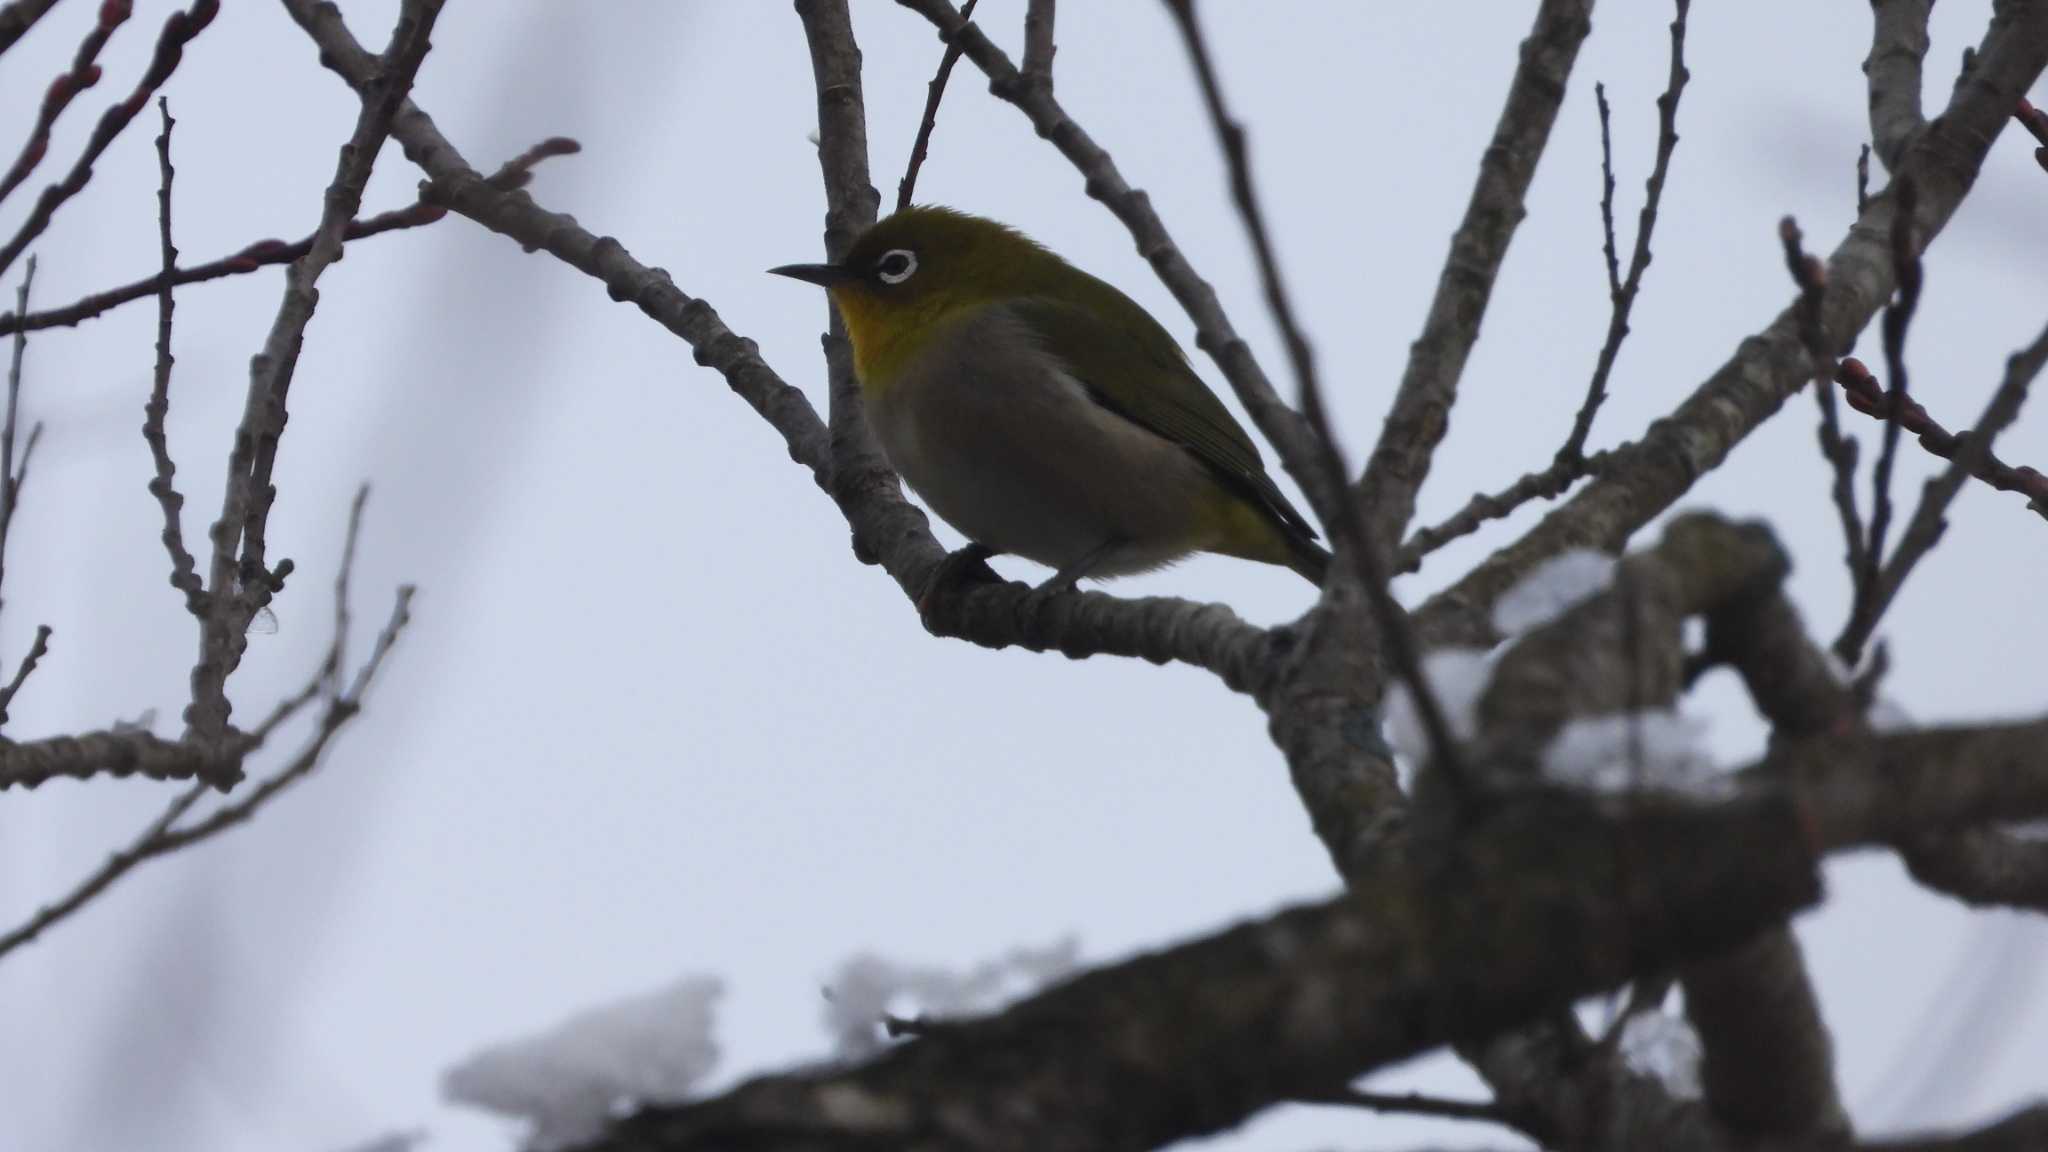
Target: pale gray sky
653,719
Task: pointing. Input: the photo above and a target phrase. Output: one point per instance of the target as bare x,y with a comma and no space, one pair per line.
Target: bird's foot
958,572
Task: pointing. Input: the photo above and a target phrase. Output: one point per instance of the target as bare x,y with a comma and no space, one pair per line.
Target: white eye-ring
896,266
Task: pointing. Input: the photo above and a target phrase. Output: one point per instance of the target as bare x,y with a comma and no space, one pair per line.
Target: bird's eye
896,266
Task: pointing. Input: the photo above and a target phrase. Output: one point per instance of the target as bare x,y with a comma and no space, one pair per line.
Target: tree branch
267,253
1898,44
20,16
83,73
238,588
156,757
1642,479
1930,517
1528,912
1623,290
934,92
184,570
1429,386
179,31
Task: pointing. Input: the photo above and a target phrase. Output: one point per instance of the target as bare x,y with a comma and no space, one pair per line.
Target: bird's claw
958,572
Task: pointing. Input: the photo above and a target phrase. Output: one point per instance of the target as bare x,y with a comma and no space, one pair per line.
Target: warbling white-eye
1042,412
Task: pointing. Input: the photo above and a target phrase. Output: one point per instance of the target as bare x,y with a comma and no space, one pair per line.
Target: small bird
1042,412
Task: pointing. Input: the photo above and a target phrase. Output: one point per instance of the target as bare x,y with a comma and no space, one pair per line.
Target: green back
1134,368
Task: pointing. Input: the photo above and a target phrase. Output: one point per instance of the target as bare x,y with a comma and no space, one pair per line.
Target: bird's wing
1131,366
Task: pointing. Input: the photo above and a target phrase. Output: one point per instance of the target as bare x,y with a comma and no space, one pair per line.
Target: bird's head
911,272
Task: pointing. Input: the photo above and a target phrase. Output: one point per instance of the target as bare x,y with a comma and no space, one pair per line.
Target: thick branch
118,752
1529,912
1898,44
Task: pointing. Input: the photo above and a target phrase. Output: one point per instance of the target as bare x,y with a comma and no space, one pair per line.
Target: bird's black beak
823,275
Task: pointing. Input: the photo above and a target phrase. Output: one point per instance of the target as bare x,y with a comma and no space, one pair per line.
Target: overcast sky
652,718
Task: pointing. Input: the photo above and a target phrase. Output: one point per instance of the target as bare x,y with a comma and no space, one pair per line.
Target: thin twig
1622,292
1862,179
146,845
1547,484
1609,249
83,73
36,649
1898,315
178,31
162,836
240,583
1839,450
1038,45
10,480
1973,449
2035,122
184,570
337,652
1867,396
934,92
1354,532
1415,1104
18,17
516,173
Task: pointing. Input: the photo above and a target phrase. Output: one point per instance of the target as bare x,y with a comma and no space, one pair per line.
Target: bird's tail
1309,558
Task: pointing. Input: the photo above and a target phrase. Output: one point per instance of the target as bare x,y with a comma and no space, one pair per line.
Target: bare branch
1414,1104
119,752
268,253
1483,507
1898,44
860,473
184,570
1839,451
238,589
82,74
178,31
1354,532
36,649
1622,290
164,835
1898,316
1971,455
2035,122
1642,479
10,479
20,16
1038,44
143,847
1982,867
1868,397
934,92
1429,386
